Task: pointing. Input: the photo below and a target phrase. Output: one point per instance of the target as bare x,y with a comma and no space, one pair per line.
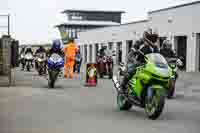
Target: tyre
171,89
40,72
110,75
28,68
155,104
51,83
101,75
122,103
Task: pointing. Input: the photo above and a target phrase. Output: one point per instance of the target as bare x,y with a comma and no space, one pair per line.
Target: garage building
181,24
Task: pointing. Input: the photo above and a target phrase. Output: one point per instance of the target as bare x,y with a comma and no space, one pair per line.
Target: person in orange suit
70,54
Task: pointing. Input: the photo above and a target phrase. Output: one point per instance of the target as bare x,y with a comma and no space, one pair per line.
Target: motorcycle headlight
39,59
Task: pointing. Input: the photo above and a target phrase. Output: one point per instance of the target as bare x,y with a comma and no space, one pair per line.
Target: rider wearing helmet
56,48
39,50
166,49
29,50
146,45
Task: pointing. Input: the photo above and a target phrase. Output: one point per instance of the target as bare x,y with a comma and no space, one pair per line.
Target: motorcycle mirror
122,64
179,63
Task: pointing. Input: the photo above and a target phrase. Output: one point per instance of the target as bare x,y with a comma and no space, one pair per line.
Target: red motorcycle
105,66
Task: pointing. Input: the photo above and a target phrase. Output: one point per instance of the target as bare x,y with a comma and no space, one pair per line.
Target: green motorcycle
147,88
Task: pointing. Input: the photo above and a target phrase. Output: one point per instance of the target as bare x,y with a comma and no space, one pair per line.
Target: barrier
91,74
8,60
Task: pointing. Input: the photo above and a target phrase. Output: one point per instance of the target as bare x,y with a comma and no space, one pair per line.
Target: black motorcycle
40,63
28,61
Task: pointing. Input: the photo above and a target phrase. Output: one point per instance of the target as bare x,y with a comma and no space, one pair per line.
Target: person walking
70,54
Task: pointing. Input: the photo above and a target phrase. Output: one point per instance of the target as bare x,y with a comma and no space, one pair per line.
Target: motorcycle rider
166,50
40,50
146,45
22,52
56,48
29,50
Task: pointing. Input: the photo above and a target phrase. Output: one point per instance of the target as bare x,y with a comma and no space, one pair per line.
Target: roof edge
77,10
135,22
174,7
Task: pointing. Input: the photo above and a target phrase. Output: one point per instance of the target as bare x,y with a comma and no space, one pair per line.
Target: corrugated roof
78,10
173,7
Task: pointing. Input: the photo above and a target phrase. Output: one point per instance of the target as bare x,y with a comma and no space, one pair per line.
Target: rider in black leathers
22,52
56,48
29,50
40,50
166,50
146,45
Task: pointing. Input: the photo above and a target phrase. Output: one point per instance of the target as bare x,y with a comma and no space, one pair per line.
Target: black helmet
150,36
166,44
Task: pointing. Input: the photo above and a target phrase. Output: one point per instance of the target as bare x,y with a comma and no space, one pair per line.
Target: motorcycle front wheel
40,72
51,83
52,78
154,105
122,103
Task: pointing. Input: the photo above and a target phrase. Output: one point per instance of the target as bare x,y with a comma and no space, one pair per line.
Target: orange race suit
70,53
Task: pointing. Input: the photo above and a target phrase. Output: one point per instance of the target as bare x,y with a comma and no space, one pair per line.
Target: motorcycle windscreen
158,60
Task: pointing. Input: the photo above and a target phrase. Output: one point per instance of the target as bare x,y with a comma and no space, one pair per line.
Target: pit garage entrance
119,52
181,48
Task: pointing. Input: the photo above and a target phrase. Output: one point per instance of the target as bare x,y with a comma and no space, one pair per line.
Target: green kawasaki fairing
155,73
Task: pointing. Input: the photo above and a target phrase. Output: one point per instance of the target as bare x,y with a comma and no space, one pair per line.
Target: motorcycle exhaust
116,83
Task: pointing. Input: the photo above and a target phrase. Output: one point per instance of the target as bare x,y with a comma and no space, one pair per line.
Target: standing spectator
78,61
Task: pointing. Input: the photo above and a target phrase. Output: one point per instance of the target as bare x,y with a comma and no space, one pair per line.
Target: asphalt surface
31,107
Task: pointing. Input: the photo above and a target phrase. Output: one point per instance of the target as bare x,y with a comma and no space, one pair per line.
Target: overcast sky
32,21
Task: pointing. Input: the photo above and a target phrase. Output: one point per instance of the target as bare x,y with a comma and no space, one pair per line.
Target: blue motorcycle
55,65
